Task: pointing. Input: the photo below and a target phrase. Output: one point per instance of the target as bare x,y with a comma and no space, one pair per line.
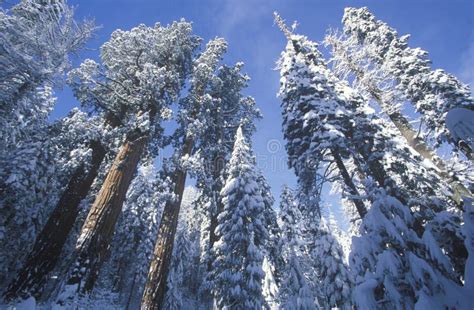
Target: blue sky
444,28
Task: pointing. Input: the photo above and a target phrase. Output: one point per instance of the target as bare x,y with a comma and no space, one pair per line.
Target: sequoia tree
143,71
193,122
37,40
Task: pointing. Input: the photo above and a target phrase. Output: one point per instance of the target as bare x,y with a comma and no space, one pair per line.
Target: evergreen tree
37,39
374,55
214,147
183,278
295,292
269,285
413,201
238,265
274,262
384,158
343,237
313,139
273,247
432,92
34,185
334,277
394,267
175,287
142,73
192,120
318,128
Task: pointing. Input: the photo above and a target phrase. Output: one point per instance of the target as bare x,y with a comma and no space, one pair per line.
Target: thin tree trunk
403,126
130,293
155,286
340,164
350,184
405,129
93,243
50,241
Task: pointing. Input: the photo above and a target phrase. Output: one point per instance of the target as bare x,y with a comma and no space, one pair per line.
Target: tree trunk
130,293
402,124
93,243
350,184
405,129
50,241
155,286
340,164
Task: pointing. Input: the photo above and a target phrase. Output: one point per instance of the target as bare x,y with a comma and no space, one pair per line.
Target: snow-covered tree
238,265
36,175
412,192
386,78
334,277
175,287
407,223
298,294
322,260
432,92
192,123
184,277
142,72
408,204
192,219
273,264
295,292
343,236
384,157
37,39
316,121
394,267
318,128
214,147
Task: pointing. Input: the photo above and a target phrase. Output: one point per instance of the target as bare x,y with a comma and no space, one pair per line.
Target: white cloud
248,27
235,13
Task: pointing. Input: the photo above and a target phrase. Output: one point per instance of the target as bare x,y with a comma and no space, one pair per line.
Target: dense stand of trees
89,219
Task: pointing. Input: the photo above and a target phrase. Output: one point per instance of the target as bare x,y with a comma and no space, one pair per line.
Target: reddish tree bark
50,241
93,243
155,286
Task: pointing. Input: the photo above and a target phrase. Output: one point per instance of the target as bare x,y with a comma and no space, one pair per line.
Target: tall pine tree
413,203
238,266
375,56
295,292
